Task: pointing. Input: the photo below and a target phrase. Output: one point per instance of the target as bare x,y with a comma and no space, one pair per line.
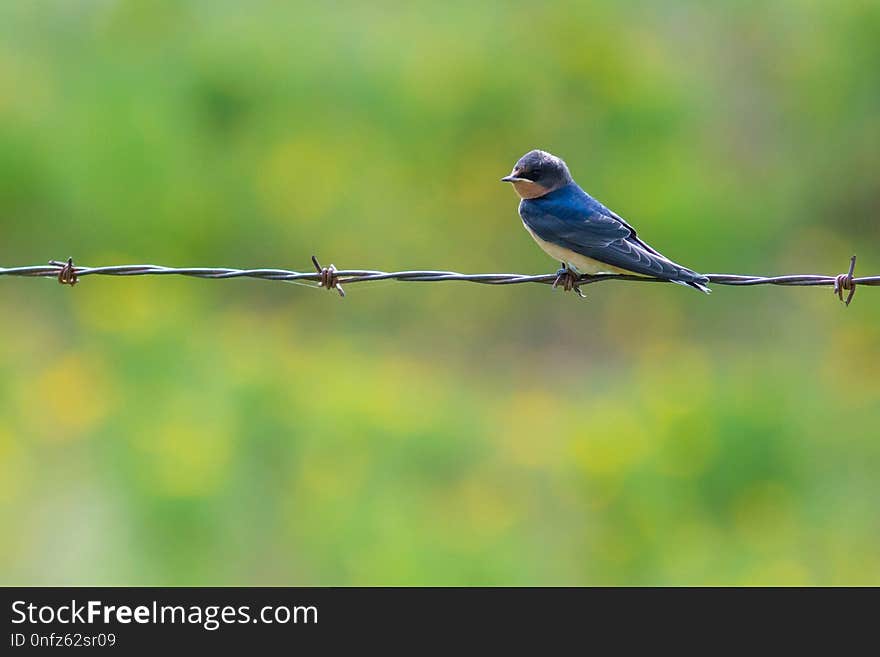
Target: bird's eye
531,175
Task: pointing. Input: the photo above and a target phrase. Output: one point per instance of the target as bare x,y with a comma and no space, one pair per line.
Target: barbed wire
333,279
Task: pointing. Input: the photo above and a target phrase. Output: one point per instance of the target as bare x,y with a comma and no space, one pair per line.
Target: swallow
581,233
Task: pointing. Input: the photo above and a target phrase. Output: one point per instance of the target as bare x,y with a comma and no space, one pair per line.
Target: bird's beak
513,177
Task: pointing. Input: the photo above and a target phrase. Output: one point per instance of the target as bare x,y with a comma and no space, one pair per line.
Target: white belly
576,261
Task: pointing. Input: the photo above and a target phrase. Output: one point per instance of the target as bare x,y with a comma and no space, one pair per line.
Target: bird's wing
592,206
588,230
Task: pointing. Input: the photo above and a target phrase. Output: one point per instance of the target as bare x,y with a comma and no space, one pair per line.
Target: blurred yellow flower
187,455
69,398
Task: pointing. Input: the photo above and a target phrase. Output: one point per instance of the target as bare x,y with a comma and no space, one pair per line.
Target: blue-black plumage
576,229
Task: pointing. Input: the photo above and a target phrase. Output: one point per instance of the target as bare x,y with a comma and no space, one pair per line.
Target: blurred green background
179,431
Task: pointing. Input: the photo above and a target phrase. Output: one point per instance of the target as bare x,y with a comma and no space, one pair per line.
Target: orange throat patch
528,189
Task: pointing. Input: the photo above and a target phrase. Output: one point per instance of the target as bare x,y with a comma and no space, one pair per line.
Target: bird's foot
568,279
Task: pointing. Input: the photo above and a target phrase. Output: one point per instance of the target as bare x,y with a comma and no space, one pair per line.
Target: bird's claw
569,281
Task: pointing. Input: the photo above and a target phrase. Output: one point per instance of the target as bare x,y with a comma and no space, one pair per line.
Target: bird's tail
698,283
701,286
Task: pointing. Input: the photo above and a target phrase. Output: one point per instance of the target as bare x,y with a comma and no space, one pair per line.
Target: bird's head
538,173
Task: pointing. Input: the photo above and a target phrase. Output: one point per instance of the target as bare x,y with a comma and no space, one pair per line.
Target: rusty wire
333,279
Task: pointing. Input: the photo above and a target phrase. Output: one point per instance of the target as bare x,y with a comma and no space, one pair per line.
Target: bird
581,233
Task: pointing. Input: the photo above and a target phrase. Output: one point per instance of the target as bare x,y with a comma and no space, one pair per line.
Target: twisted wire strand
330,277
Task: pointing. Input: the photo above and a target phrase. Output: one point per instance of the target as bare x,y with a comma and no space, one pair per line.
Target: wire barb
329,277
846,282
67,273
